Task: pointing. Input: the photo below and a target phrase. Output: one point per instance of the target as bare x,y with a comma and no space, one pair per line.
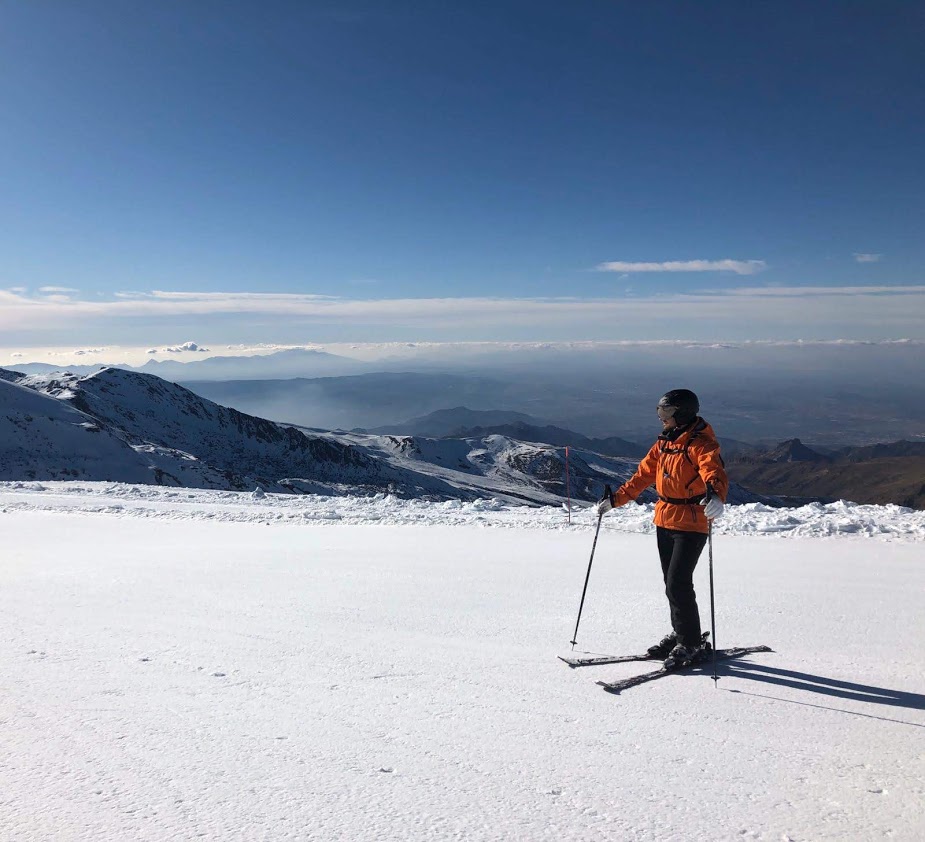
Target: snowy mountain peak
43,436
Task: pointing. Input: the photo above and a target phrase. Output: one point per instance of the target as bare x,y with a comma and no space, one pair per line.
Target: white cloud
861,257
84,351
186,346
818,292
740,267
272,346
237,296
56,290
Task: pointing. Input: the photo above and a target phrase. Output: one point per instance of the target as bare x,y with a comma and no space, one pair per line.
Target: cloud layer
869,312
740,267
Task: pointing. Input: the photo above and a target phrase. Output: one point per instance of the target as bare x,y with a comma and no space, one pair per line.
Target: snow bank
145,501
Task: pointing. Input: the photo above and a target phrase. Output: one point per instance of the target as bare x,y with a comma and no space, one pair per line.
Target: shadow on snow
826,687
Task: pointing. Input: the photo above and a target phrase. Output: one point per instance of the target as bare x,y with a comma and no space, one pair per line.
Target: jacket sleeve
641,480
711,468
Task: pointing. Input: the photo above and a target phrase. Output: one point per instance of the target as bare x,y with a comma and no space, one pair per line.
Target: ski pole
584,590
712,609
568,486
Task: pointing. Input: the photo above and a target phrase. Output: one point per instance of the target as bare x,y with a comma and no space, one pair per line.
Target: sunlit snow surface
181,664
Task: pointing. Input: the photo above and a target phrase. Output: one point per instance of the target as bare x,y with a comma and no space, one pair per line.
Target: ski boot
683,656
663,648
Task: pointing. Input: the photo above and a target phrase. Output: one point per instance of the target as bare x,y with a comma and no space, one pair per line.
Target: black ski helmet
684,403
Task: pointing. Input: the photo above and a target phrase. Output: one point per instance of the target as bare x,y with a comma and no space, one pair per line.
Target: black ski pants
680,552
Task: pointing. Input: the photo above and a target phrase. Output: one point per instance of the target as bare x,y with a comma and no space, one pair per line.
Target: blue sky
341,171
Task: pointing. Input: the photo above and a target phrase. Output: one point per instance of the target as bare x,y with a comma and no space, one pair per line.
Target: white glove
714,508
604,506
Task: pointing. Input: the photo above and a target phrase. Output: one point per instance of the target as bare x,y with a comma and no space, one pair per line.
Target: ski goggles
665,412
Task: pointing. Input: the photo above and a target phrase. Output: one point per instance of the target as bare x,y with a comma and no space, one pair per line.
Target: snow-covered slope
236,450
45,438
183,665
151,409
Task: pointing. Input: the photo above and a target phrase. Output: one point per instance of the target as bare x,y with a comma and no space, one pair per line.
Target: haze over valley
828,394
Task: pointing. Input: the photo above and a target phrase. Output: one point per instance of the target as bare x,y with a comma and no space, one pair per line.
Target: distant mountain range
749,393
124,426
878,474
445,422
292,362
622,407
794,450
365,401
461,422
790,451
118,425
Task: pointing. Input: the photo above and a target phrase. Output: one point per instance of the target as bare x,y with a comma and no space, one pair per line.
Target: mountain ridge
462,422
890,472
278,365
234,450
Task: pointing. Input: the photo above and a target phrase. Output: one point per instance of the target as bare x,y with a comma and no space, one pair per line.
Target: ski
613,659
705,658
605,659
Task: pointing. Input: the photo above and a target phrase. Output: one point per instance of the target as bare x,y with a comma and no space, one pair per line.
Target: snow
182,664
258,506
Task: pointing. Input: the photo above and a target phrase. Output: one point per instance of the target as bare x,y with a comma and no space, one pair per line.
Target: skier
686,467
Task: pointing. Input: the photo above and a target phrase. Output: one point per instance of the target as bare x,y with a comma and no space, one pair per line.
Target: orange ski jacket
680,470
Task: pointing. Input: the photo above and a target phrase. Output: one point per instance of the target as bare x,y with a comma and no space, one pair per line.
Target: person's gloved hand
605,504
714,508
